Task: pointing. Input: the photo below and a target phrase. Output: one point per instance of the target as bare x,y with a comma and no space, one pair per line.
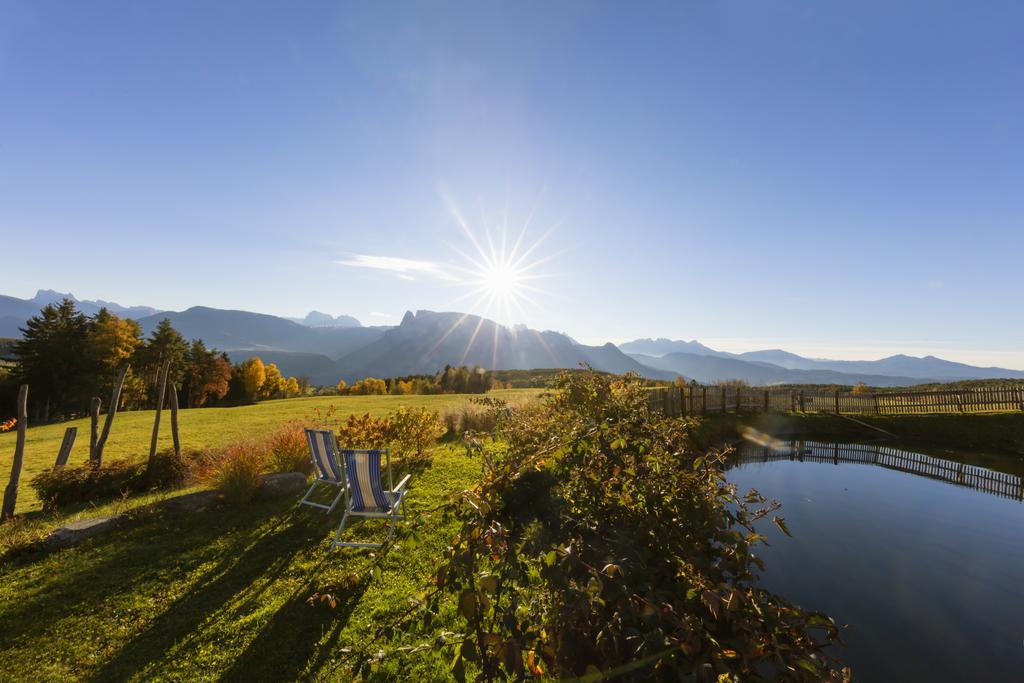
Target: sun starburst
500,275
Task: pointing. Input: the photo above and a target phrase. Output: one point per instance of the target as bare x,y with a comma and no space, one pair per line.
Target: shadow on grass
179,625
298,640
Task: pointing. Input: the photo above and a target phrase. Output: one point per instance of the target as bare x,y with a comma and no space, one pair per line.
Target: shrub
412,430
288,449
470,417
600,541
364,432
87,483
235,470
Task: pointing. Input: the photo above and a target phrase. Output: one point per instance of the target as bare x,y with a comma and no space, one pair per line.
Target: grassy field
202,427
222,594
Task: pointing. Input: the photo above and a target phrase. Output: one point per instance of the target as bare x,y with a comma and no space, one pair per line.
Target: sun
499,273
501,280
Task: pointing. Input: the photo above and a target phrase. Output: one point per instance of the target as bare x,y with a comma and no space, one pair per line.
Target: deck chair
366,495
323,452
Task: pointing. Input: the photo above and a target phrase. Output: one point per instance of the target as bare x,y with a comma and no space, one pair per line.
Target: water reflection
956,471
920,555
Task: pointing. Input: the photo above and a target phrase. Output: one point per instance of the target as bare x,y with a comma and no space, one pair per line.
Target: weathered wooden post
766,400
739,393
161,394
802,410
65,448
94,427
11,492
723,399
115,401
837,401
704,400
174,419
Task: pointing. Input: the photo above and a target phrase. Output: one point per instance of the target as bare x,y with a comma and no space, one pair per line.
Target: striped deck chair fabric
323,451
363,470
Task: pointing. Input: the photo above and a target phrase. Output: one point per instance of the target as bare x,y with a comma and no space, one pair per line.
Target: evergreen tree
51,357
164,343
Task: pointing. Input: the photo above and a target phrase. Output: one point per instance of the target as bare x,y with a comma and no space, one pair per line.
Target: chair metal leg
337,535
328,508
305,498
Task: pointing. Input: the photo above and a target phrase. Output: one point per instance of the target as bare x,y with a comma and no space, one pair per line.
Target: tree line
68,357
451,380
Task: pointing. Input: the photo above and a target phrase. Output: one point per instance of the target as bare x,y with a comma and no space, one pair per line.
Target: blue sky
839,179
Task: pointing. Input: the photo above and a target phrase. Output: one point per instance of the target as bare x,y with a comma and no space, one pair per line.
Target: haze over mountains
325,348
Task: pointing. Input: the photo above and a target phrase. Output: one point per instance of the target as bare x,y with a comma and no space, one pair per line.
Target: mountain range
326,348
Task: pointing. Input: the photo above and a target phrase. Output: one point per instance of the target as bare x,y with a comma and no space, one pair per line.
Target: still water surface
922,556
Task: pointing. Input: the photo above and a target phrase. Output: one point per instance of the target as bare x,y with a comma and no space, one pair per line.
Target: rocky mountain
663,346
426,341
318,319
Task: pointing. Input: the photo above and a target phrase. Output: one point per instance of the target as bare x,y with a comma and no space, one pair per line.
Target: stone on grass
282,484
80,530
190,502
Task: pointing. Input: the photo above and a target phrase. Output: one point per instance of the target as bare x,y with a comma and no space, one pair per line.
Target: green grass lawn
201,427
221,594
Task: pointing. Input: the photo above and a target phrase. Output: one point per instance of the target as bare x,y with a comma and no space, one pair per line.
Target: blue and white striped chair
323,452
367,496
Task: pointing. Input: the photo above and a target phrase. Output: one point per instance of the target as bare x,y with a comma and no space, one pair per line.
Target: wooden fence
971,476
698,399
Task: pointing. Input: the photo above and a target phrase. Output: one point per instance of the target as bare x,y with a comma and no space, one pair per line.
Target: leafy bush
289,451
408,432
600,540
87,483
412,430
364,432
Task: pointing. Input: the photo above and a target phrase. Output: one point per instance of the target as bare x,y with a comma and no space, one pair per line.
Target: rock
190,502
79,530
282,484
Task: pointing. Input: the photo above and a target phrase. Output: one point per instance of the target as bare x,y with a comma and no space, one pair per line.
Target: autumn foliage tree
207,374
253,373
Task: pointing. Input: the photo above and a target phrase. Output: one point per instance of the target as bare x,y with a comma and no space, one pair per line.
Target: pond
921,556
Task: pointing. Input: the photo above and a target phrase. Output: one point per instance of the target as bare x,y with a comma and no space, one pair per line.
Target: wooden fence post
11,492
161,394
94,426
739,392
766,400
65,448
174,419
723,399
837,401
802,409
115,401
704,400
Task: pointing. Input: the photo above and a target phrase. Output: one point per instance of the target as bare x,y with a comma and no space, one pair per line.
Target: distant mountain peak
51,296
